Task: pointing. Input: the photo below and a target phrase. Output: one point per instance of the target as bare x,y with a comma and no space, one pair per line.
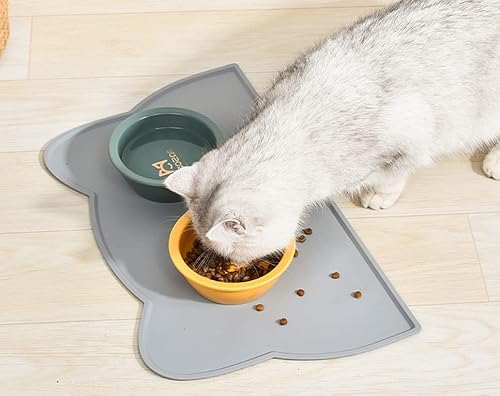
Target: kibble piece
283,321
307,231
259,307
296,253
335,275
231,268
301,238
357,294
300,292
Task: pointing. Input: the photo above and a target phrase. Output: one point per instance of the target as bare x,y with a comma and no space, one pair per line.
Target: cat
357,114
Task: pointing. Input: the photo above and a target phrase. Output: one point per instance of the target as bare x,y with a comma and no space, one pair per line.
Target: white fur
491,164
383,191
357,113
182,181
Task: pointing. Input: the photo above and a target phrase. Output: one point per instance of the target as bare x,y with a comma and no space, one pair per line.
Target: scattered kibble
259,307
296,253
300,292
301,238
357,294
307,231
215,267
283,321
335,275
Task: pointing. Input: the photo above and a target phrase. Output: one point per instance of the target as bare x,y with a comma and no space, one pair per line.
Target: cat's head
239,220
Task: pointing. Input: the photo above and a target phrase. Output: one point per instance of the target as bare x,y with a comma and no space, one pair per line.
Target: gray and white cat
357,113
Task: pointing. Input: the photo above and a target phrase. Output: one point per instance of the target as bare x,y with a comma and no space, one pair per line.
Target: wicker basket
4,25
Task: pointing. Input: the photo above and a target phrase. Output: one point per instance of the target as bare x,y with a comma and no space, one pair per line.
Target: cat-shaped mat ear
182,181
227,230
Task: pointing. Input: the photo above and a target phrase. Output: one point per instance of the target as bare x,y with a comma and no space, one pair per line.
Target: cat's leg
384,190
491,163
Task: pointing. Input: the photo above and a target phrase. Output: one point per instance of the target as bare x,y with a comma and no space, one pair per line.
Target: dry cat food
300,292
357,294
212,266
335,275
296,253
283,321
259,307
301,238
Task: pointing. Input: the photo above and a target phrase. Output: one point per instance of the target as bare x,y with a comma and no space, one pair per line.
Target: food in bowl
213,266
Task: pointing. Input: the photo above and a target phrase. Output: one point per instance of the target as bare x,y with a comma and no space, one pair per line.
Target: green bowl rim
139,116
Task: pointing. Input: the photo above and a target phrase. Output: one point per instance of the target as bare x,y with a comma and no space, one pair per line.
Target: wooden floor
67,326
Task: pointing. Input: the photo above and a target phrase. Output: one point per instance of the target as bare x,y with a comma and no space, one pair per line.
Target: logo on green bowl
170,163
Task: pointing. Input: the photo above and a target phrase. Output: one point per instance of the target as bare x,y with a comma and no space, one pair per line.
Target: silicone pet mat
182,335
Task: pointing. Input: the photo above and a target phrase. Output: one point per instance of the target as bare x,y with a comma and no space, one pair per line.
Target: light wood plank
62,7
58,276
33,201
14,61
79,338
177,43
50,107
452,186
456,353
486,232
429,259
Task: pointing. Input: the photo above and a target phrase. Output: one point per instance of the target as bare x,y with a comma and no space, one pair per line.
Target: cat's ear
182,181
226,230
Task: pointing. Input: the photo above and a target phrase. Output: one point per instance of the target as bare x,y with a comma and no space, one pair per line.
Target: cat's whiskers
200,257
268,262
255,269
169,218
188,229
207,260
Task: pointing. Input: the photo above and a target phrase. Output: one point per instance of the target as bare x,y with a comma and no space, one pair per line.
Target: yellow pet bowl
181,241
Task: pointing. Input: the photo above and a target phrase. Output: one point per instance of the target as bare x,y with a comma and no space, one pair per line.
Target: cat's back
429,17
430,32
446,46
424,43
440,57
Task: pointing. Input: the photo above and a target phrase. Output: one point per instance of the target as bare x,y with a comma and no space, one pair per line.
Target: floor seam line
478,257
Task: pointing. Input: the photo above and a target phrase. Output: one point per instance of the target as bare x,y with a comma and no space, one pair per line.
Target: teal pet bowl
150,145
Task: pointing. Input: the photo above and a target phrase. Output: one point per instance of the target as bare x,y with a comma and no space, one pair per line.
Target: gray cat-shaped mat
184,336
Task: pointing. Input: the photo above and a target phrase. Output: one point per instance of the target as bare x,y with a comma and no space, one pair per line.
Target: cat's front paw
374,200
491,164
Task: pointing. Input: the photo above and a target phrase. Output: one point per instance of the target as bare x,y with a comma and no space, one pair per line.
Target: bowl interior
157,145
186,241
